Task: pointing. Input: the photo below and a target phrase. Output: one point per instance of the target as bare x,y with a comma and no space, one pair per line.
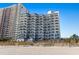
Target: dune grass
52,42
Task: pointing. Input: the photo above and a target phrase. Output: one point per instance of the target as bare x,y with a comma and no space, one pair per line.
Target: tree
74,36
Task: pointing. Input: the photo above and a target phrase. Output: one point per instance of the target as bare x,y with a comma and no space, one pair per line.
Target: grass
56,42
14,43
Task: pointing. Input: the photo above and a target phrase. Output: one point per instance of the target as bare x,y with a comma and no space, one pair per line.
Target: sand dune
20,50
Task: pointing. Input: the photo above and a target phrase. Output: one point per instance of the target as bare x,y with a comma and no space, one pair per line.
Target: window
52,18
52,31
56,23
56,34
57,37
24,32
52,28
56,20
25,18
25,21
25,24
52,35
21,21
57,31
57,28
52,23
56,17
22,7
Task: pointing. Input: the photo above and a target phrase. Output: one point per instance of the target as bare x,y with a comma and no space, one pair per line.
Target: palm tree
74,38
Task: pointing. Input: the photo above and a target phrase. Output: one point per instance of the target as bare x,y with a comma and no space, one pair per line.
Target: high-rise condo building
16,22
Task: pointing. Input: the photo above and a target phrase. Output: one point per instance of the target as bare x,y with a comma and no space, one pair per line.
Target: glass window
57,28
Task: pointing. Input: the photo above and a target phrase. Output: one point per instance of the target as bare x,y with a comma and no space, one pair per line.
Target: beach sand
38,50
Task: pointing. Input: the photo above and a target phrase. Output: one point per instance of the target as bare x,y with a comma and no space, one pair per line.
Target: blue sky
69,14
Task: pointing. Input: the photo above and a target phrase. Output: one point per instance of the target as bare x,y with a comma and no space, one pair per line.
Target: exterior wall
39,27
18,23
31,26
21,22
8,21
1,13
12,21
5,23
54,25
46,27
57,25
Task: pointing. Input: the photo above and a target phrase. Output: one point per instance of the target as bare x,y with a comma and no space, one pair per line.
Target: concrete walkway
20,50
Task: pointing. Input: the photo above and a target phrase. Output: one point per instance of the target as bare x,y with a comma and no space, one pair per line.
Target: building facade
7,21
16,22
